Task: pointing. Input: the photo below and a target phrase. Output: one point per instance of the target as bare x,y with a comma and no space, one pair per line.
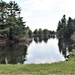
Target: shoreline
24,40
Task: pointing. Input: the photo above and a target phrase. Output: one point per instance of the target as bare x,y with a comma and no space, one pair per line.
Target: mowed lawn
67,67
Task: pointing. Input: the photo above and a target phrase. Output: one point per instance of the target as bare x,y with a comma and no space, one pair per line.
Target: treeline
11,23
65,27
41,32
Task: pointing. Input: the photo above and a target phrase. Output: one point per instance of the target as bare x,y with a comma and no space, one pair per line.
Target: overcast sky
45,13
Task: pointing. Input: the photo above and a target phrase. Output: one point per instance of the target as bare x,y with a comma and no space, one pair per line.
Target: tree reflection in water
40,39
16,53
65,46
13,53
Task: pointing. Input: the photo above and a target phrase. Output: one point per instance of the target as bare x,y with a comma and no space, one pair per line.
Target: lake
44,52
37,52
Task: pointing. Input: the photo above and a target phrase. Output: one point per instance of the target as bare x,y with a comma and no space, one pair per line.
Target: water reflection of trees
13,54
65,46
40,38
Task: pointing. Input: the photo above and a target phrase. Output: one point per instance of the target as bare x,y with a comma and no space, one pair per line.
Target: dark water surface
38,51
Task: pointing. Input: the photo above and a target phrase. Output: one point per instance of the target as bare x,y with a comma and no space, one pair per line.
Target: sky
45,14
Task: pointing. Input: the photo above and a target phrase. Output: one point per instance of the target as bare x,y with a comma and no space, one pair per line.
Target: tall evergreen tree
11,24
66,28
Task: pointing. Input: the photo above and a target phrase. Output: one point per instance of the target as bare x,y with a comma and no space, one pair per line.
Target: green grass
67,67
72,56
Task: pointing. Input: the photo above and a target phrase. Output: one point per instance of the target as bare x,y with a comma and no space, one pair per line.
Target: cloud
39,4
26,14
30,4
46,13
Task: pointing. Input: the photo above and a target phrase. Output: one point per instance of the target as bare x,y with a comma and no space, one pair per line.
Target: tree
30,33
11,24
3,17
35,32
40,32
45,33
13,9
61,29
65,28
70,27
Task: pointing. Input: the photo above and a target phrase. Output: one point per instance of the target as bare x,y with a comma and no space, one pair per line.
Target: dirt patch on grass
35,74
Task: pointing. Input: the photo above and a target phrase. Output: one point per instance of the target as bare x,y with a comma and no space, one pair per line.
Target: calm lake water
44,52
38,51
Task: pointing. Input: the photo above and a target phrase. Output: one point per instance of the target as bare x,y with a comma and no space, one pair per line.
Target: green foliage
43,32
35,32
65,27
40,31
30,33
11,24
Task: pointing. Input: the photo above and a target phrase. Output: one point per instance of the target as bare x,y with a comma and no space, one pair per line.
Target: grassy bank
67,67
